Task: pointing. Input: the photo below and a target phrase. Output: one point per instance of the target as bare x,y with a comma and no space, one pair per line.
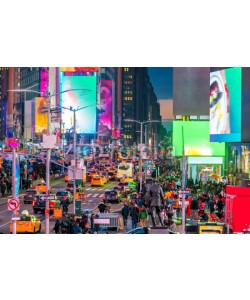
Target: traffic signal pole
14,186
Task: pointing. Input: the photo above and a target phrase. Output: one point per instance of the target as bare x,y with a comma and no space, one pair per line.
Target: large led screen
82,92
195,136
105,119
225,105
41,119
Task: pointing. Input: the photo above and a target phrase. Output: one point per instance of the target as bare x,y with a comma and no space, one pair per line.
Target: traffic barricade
109,220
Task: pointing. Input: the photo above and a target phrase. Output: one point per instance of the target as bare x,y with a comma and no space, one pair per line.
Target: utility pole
141,123
47,175
14,195
75,163
184,173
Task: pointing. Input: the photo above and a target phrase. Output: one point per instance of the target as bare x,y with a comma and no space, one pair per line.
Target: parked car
30,195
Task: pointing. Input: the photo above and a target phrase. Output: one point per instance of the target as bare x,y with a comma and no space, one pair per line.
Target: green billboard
196,138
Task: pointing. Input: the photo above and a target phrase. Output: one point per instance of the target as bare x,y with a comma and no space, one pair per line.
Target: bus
125,169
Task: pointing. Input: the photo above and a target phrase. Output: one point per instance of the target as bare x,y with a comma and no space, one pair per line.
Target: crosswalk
95,192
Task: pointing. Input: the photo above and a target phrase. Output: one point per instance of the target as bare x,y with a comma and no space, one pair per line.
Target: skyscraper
3,101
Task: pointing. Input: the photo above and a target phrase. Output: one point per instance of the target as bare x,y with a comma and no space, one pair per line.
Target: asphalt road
94,196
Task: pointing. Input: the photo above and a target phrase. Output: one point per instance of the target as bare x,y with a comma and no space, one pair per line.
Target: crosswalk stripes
88,195
95,195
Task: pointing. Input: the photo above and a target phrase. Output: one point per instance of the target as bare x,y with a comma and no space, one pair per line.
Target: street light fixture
141,124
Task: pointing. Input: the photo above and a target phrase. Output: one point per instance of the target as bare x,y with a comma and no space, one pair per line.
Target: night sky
162,81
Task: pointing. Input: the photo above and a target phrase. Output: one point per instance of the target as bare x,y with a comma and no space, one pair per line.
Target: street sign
16,219
184,192
102,221
13,204
44,110
48,197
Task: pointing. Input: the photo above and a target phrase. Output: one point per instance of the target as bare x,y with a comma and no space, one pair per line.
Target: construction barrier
109,220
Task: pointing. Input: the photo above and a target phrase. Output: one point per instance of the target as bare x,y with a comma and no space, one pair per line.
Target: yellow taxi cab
41,187
97,181
104,178
27,224
126,179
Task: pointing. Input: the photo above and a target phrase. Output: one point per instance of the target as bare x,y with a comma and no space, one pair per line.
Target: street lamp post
140,162
74,110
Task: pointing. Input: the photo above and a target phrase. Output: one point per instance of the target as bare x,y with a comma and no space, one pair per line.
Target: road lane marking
95,195
88,195
102,195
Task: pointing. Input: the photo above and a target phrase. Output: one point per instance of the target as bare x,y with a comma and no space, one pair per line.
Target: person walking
156,199
125,214
65,205
194,208
57,227
143,215
77,229
102,207
134,214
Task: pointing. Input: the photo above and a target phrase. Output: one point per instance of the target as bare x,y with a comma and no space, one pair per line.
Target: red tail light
33,203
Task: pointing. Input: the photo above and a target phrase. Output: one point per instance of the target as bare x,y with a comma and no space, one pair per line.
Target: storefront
205,159
205,168
237,163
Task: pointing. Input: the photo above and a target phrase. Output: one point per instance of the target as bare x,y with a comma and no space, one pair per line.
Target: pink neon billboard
105,119
44,81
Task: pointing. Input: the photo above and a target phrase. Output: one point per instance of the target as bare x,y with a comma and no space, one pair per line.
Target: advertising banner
41,119
82,93
225,105
105,118
79,69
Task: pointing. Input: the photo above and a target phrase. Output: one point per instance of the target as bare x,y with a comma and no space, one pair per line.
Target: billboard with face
41,119
81,93
105,119
225,105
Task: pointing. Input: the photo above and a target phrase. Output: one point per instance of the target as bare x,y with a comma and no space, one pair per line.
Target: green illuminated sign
196,137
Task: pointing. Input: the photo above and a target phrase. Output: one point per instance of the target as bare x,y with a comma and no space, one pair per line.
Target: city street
94,196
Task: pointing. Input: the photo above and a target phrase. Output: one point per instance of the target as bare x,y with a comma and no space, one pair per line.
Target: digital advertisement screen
195,135
41,119
82,93
105,118
225,105
79,69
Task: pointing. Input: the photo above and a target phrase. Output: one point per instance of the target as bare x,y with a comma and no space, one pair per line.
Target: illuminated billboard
226,105
82,92
195,135
105,118
41,119
79,69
